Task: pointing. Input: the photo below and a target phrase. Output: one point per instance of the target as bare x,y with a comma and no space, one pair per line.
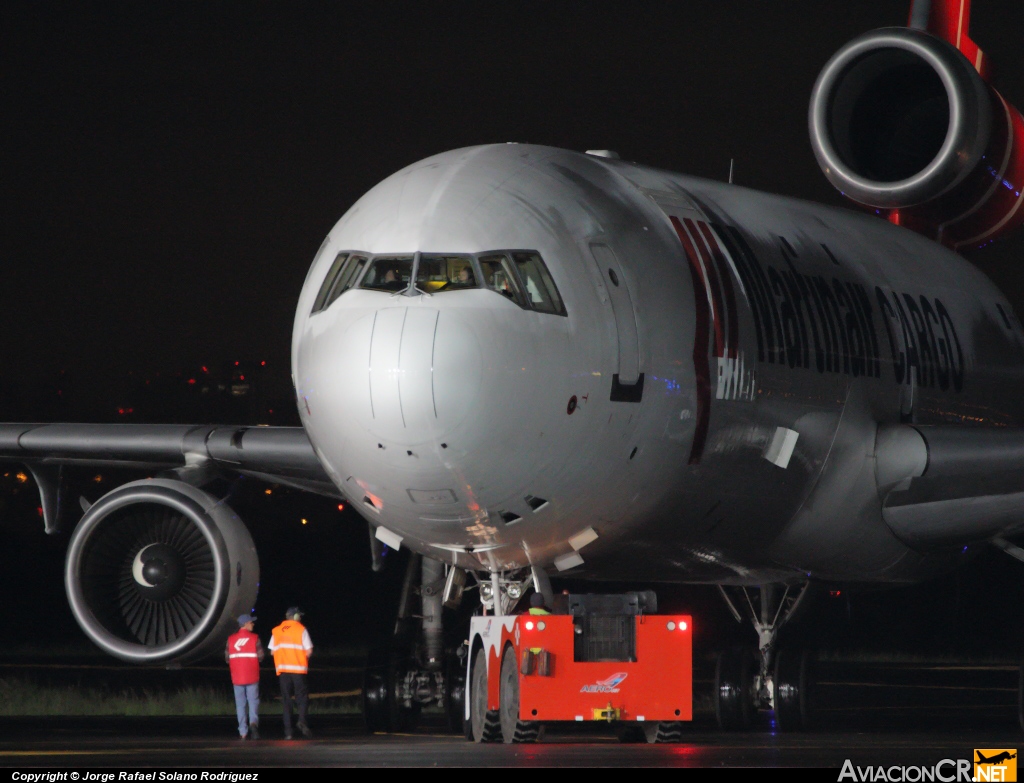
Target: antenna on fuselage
731,161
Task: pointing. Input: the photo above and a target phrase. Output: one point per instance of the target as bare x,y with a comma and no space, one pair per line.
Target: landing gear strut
778,680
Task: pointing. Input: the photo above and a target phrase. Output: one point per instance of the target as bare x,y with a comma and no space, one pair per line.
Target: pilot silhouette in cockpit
393,280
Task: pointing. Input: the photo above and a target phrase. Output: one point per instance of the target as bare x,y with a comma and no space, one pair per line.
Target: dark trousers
293,686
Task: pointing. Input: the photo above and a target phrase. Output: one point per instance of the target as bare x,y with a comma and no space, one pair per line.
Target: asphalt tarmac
208,744
871,714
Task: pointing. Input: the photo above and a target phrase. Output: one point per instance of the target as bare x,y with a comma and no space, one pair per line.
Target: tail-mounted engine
158,571
900,120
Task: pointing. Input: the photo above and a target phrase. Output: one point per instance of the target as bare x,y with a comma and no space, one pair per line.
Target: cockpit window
348,277
519,275
329,281
540,288
445,273
499,275
344,272
523,278
388,273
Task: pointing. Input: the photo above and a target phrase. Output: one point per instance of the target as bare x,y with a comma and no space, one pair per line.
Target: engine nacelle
901,121
158,571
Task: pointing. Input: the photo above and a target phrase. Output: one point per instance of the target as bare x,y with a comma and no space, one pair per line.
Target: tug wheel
484,724
513,730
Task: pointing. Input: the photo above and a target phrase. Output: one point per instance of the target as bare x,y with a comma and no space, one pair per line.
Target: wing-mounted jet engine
157,572
903,120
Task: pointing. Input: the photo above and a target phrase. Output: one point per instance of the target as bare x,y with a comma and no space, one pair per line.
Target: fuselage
690,395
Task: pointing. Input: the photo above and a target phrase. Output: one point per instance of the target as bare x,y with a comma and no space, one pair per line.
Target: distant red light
39,510
204,369
120,411
835,593
270,411
241,377
236,364
191,381
341,507
263,364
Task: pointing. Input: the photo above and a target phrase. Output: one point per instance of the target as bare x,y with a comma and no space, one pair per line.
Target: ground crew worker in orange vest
292,647
243,652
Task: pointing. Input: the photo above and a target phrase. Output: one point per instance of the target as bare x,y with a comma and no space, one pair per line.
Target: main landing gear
770,679
415,670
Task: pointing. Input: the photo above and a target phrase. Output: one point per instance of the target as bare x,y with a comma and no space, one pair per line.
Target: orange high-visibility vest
289,654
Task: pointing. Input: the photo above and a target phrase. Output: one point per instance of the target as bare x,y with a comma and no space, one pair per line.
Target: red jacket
244,653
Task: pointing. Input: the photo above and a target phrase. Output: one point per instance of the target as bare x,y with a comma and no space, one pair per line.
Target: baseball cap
292,611
245,618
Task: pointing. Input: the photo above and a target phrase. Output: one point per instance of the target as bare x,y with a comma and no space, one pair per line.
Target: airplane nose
423,370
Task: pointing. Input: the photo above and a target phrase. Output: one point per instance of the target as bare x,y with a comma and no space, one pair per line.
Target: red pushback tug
603,658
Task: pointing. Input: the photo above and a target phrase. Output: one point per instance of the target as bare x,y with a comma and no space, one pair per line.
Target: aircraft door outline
614,288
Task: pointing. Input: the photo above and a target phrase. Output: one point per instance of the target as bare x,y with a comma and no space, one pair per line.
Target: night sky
168,170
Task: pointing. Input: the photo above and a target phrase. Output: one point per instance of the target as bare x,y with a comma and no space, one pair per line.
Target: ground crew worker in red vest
292,647
243,652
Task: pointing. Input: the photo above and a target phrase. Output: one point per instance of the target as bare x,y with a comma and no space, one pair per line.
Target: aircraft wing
951,484
281,455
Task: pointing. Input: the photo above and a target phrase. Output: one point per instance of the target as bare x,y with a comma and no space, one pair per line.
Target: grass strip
20,697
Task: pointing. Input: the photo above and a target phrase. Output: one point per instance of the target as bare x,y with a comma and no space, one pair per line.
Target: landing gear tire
734,700
382,709
513,730
455,694
794,689
375,699
484,724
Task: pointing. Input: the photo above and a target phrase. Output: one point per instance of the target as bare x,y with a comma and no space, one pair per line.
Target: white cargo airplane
519,361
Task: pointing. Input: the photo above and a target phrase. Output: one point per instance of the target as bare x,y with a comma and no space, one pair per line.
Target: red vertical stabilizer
950,20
